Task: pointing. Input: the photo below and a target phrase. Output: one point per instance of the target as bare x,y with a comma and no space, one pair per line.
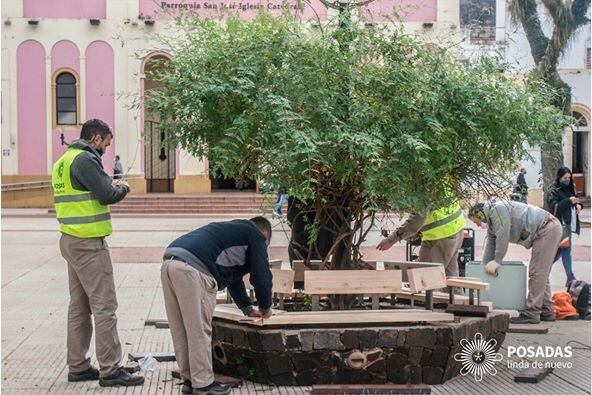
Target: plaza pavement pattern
35,300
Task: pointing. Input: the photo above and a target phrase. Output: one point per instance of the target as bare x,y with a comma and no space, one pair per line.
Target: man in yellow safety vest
82,193
441,234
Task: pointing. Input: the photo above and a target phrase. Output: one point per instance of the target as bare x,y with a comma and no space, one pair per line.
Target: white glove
492,268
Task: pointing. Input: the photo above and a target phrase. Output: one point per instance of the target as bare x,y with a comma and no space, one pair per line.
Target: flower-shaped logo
478,356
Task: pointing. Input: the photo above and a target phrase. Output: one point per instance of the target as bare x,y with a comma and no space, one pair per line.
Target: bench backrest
363,282
283,281
426,278
403,266
299,268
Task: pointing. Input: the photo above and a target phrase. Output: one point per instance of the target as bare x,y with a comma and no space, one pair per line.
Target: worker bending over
196,266
531,227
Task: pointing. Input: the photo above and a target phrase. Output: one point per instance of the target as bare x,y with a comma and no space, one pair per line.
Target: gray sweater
87,174
510,222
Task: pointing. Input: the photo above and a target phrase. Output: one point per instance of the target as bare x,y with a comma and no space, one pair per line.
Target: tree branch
526,12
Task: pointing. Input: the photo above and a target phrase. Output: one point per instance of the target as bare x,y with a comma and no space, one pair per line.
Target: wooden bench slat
451,282
426,278
361,282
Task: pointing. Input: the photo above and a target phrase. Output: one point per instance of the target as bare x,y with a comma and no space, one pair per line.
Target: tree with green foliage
566,18
351,121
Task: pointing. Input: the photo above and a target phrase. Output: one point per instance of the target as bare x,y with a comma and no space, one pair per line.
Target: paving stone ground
35,299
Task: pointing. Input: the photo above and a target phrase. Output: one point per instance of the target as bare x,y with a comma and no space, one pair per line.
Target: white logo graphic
478,356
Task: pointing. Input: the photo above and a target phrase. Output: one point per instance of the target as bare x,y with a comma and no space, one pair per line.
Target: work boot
121,377
524,319
215,388
86,375
187,388
548,317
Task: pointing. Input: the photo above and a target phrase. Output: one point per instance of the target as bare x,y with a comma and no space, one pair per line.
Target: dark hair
477,211
563,171
95,126
117,157
263,224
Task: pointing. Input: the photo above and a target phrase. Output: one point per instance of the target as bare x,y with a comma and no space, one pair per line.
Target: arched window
580,120
66,99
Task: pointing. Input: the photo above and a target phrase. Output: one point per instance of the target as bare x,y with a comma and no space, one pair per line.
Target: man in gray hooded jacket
531,227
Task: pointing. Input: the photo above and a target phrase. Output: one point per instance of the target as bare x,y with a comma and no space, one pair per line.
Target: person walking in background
82,193
117,169
521,186
563,203
282,196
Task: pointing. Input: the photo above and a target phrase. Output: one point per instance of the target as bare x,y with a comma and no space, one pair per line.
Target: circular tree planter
354,355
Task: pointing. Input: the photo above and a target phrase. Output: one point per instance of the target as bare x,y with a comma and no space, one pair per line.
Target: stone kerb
373,355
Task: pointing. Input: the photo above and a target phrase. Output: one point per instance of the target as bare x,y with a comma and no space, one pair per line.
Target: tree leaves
389,121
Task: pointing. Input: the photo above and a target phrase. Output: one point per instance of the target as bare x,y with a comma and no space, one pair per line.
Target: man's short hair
117,157
95,126
477,211
263,224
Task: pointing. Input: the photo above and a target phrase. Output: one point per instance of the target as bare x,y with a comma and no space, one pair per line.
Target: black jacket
560,205
228,251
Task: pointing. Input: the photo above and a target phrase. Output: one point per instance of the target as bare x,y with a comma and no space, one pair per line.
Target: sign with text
244,9
378,10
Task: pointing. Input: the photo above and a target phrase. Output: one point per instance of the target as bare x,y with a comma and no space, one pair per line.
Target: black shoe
121,377
524,319
87,375
215,388
187,388
548,317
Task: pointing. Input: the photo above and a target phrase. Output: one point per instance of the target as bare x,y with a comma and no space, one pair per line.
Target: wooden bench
283,282
426,279
299,267
404,266
351,282
472,285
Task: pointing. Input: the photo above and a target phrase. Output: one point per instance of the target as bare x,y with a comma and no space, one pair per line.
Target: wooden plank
468,310
275,263
233,382
404,266
283,281
335,282
532,375
524,329
233,313
426,278
299,268
476,279
159,356
452,282
371,389
352,317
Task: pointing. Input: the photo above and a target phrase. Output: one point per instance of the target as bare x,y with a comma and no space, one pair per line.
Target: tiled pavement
35,298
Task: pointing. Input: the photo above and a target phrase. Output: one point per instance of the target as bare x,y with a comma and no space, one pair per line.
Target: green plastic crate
508,290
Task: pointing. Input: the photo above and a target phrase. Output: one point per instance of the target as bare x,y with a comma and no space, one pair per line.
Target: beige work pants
444,251
92,291
190,300
544,248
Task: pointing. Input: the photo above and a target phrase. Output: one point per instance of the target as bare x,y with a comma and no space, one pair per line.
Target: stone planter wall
397,354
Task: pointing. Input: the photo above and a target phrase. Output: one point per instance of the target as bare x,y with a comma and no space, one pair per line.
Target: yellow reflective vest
79,212
442,223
